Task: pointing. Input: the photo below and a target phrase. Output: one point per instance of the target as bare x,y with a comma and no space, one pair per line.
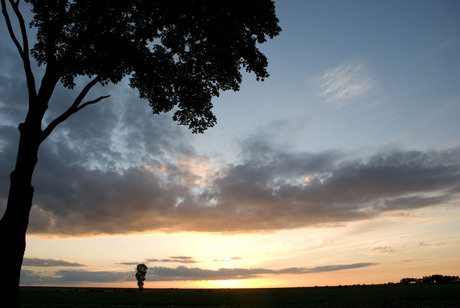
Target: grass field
350,296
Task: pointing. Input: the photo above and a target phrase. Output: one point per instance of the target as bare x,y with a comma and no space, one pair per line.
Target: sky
343,167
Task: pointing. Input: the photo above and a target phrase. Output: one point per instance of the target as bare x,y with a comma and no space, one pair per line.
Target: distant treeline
433,279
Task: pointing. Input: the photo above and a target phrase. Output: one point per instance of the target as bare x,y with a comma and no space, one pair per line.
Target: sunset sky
343,167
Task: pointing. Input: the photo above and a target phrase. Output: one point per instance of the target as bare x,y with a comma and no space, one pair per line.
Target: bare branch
83,93
22,25
10,28
94,101
74,108
24,49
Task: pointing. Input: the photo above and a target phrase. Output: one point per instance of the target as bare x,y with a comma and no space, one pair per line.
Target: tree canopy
177,53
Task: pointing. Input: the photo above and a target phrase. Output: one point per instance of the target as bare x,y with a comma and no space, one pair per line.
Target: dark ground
397,295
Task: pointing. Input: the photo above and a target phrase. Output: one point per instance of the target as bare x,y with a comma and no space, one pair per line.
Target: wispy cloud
227,260
130,263
179,273
349,81
173,259
384,249
432,245
178,259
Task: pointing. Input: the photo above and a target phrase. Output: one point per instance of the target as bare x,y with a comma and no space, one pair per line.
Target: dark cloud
130,263
29,277
268,190
87,276
110,142
179,273
61,277
49,263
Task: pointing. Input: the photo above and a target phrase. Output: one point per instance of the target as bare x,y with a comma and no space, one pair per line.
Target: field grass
351,296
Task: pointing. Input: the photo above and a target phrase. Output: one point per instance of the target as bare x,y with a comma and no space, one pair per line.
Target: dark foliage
175,52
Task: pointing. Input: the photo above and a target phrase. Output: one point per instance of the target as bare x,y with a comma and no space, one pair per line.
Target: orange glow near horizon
412,250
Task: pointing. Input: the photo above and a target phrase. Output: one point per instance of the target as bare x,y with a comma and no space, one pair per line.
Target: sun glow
227,283
231,284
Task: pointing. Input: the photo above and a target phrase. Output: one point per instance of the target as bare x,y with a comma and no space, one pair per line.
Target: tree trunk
13,225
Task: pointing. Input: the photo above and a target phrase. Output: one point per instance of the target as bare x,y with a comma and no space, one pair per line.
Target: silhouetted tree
432,279
141,271
177,53
440,279
409,280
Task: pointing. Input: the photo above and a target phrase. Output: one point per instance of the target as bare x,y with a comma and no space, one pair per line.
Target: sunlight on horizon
264,256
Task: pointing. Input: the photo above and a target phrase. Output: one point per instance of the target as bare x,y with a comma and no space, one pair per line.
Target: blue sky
393,73
342,167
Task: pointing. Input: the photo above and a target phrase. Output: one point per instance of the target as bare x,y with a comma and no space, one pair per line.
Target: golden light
232,283
227,283
196,168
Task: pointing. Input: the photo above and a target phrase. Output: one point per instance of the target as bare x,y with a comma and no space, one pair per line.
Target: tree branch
83,93
94,101
74,108
24,49
10,27
22,25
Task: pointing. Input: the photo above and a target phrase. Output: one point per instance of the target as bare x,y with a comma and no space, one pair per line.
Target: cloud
180,273
385,249
346,82
87,276
333,268
29,277
431,245
129,263
173,259
49,263
178,259
269,189
228,260
110,141
186,273
61,277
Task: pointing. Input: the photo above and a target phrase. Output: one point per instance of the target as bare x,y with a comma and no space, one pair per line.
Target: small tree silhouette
140,275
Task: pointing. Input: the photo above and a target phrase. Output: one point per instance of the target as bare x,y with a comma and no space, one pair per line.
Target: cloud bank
49,263
180,273
269,190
